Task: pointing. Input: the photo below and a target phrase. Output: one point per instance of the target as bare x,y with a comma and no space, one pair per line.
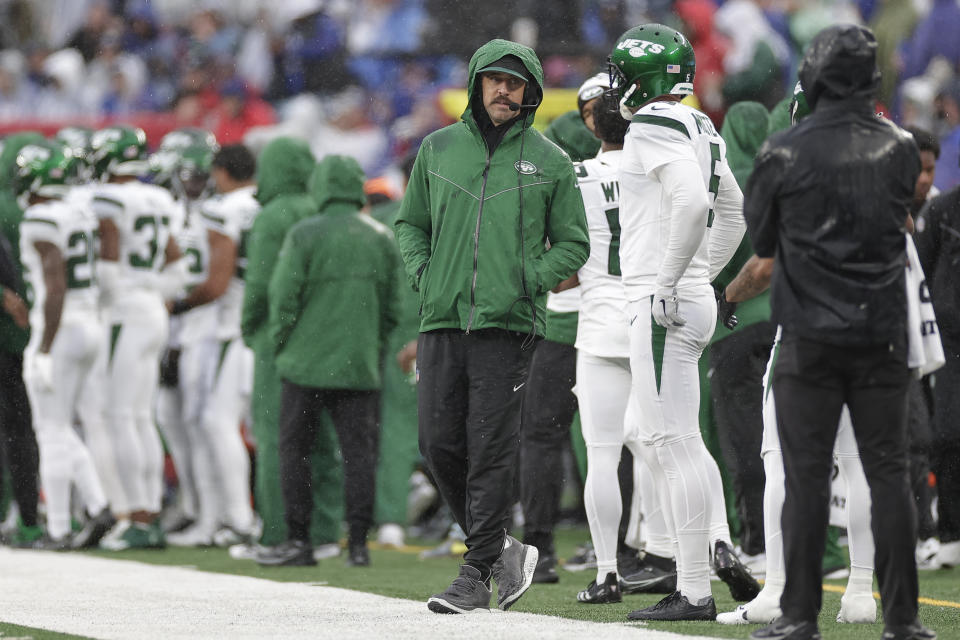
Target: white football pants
666,392
137,333
64,458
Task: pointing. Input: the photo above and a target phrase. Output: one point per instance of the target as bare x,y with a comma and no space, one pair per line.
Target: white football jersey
602,329
660,133
232,215
144,215
72,229
200,322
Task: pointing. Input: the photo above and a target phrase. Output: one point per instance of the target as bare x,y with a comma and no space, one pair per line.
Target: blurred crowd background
362,77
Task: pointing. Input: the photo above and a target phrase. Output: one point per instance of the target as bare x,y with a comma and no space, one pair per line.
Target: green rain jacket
333,294
569,133
283,173
13,339
744,130
459,226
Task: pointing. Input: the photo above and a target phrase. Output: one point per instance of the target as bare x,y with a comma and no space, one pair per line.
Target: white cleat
763,609
191,537
857,608
390,535
948,555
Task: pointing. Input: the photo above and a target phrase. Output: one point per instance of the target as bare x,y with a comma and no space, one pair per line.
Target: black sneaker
513,571
676,607
46,543
583,558
651,576
358,555
786,629
743,586
95,528
604,593
546,572
292,553
915,631
466,593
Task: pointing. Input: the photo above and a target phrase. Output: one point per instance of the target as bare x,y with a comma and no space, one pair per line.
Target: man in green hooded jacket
487,196
333,302
283,172
16,419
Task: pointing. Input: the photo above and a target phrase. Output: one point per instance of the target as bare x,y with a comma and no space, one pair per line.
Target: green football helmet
799,107
78,140
119,151
44,168
192,174
164,163
649,61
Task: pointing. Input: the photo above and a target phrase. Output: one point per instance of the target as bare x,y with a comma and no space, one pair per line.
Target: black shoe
786,629
676,607
651,577
46,543
292,553
585,557
546,571
743,586
95,528
915,631
358,555
466,593
604,593
513,571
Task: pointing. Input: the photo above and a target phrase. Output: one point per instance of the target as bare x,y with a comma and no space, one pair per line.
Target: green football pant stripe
659,336
114,336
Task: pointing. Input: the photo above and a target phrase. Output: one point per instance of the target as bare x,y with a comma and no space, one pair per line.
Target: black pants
945,456
470,402
919,449
548,409
812,381
17,440
739,362
356,419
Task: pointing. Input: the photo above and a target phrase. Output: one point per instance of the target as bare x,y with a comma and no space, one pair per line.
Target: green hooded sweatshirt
283,172
744,130
459,226
13,339
333,295
568,132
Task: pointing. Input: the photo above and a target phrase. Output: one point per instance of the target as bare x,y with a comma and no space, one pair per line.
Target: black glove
170,368
725,311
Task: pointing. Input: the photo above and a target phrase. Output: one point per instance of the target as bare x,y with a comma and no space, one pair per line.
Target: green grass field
402,574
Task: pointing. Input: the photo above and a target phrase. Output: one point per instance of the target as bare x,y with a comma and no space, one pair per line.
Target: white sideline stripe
104,598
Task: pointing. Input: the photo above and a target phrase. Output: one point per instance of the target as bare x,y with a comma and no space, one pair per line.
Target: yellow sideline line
936,603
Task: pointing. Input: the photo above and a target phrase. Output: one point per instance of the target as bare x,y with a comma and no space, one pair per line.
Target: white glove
41,371
666,309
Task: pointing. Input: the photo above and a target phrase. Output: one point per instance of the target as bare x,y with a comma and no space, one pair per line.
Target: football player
182,167
680,222
57,248
226,368
139,263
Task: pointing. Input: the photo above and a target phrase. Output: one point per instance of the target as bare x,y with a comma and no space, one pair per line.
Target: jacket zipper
476,243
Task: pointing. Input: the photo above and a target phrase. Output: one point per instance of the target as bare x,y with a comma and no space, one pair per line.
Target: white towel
925,353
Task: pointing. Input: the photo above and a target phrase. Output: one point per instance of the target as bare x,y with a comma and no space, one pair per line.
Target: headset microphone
514,106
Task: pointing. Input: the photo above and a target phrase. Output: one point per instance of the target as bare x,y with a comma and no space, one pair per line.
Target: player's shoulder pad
50,213
674,116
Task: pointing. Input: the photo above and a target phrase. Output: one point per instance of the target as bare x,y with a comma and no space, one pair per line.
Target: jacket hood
840,63
493,51
283,168
744,130
568,132
11,146
337,179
